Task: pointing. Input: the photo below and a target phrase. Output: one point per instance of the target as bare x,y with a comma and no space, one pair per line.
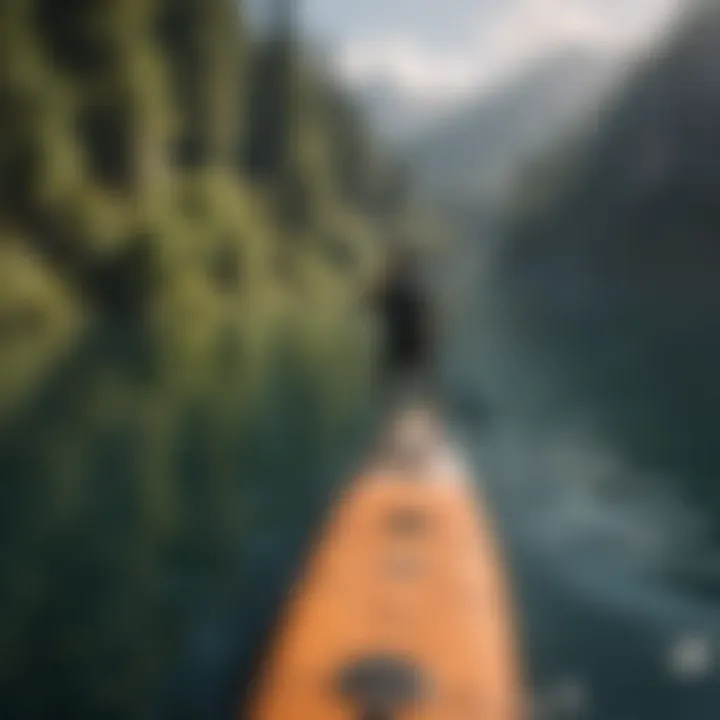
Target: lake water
148,545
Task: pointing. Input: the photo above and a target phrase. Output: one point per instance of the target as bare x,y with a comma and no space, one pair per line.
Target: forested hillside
189,217
162,170
611,268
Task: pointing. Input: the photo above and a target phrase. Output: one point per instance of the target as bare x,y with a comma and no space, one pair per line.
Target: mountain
610,272
474,157
394,113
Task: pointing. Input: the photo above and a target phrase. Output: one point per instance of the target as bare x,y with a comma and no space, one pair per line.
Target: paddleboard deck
404,610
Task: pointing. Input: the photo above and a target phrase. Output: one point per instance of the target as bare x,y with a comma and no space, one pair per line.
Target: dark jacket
404,309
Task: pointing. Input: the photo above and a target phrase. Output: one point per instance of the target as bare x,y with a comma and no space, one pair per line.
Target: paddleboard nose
404,610
416,448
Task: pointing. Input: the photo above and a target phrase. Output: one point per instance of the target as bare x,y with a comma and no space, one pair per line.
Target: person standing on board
408,312
408,328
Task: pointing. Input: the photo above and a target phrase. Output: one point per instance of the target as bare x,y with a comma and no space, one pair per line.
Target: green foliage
174,175
188,222
39,318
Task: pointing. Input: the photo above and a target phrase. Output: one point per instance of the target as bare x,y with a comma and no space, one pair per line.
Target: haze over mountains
473,90
471,156
476,157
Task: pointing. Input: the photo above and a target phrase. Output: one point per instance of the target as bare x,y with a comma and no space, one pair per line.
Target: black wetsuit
405,313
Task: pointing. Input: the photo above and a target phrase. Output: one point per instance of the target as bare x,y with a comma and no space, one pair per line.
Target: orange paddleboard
404,610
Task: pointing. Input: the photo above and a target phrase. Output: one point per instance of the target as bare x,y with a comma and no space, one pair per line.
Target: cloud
495,41
404,63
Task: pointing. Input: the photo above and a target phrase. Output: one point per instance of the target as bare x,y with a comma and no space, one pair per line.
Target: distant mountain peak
474,155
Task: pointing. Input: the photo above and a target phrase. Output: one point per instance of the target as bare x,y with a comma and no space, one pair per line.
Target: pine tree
272,128
205,44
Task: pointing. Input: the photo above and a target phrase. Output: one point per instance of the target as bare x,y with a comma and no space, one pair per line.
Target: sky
442,51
